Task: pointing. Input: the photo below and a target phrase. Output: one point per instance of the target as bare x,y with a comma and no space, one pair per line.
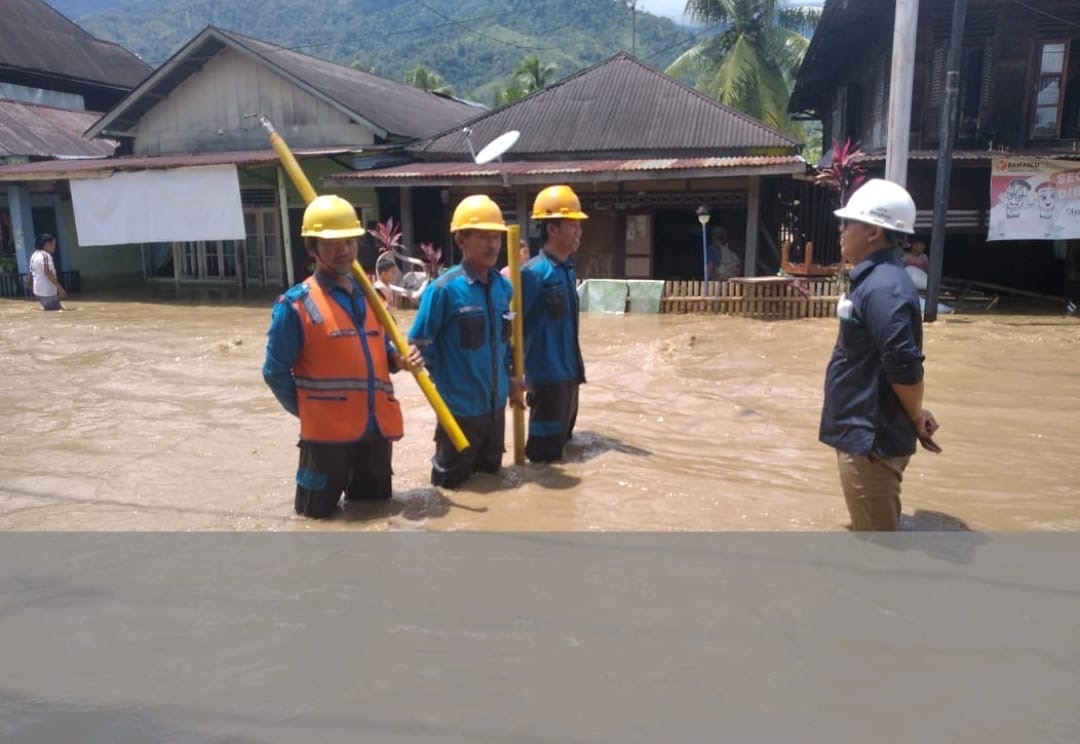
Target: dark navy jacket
550,305
880,342
463,330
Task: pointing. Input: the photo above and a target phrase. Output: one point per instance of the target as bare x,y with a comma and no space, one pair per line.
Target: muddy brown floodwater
133,413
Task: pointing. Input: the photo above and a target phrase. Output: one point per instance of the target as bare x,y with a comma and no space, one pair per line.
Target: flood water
140,414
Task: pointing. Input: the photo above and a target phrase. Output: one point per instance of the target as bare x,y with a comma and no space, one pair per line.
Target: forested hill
475,45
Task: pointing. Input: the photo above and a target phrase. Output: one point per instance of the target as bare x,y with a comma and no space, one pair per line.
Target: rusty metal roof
391,109
620,107
71,169
569,171
36,38
977,156
36,131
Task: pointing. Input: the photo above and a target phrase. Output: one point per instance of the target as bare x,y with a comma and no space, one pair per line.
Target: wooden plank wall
802,298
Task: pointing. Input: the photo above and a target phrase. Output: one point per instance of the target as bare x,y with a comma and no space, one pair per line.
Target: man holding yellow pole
554,368
328,361
462,329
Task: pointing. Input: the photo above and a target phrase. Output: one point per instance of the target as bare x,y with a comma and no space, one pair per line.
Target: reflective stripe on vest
342,374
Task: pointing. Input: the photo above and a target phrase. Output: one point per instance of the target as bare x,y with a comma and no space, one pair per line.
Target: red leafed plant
387,235
842,175
432,257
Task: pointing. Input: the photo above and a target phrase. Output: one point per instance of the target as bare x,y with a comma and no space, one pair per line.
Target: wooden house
199,111
1019,96
641,149
55,81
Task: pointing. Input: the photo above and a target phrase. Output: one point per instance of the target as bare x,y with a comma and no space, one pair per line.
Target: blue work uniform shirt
285,340
462,328
551,315
879,343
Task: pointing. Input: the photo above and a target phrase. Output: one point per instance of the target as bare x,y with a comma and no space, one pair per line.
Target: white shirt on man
41,261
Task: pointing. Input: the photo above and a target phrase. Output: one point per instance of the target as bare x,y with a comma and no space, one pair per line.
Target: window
1057,91
208,259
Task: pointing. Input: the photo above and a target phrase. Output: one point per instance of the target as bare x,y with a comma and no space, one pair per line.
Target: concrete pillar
524,209
901,80
22,224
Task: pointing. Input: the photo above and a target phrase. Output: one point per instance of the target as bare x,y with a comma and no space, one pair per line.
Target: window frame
1040,76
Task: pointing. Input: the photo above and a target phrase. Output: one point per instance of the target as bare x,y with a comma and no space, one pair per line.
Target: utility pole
632,4
902,75
946,136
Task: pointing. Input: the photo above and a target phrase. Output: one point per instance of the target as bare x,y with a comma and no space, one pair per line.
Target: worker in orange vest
328,361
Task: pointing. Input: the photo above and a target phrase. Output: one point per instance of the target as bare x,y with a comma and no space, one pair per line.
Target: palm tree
429,80
751,63
533,75
509,94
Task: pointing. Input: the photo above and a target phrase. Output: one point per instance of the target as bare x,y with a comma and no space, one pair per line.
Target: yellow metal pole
513,260
374,299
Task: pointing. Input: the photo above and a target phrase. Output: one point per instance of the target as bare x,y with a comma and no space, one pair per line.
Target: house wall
206,113
669,206
998,75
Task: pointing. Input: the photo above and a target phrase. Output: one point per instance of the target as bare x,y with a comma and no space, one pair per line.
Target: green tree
534,75
429,80
509,94
751,63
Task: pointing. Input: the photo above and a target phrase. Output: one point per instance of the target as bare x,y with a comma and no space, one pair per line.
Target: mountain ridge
474,45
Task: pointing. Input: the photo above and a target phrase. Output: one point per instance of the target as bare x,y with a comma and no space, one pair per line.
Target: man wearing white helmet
873,411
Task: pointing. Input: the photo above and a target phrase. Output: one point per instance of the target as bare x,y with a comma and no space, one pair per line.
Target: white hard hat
882,203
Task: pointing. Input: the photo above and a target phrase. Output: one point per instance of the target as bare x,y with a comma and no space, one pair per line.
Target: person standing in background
42,280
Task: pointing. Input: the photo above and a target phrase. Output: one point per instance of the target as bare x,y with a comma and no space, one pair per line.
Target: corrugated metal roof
69,169
35,37
567,170
390,108
618,106
32,130
986,156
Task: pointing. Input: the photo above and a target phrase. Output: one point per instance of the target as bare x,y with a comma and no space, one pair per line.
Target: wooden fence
765,297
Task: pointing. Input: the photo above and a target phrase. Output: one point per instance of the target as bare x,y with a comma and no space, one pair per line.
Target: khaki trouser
872,489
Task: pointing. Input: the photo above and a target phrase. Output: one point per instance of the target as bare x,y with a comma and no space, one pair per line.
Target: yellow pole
374,299
513,260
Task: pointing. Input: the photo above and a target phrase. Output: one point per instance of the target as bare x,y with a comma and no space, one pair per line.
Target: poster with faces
1034,199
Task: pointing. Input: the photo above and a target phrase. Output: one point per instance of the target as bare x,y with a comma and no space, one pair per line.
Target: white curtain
157,206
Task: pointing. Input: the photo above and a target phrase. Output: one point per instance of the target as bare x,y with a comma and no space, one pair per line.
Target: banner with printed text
1033,199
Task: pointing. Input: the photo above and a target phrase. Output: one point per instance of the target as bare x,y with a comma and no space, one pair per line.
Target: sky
674,8
670,8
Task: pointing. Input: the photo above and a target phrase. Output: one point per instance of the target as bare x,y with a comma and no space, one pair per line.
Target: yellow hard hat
558,203
331,217
477,212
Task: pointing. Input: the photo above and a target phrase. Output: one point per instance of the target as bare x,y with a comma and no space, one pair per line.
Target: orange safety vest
341,376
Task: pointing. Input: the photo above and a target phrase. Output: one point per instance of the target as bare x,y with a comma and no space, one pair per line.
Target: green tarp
603,295
611,295
645,295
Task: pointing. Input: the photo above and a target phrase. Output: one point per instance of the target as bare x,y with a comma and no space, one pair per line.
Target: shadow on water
588,445
414,505
941,536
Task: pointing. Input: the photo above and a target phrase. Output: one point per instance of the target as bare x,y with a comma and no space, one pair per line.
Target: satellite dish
497,147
